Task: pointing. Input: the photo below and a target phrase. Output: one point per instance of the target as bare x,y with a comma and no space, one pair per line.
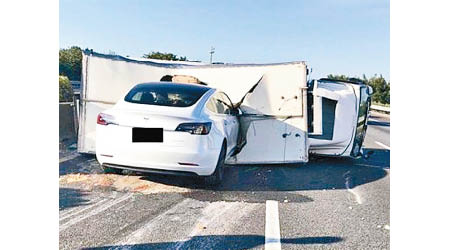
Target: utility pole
211,52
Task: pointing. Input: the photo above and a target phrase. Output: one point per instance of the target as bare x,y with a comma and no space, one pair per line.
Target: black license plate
147,135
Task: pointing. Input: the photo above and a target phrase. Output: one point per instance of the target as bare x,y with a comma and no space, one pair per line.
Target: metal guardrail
380,108
67,128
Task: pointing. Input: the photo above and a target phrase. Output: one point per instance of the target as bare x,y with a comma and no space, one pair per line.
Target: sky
349,37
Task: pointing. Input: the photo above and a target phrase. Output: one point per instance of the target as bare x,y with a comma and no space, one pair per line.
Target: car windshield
166,94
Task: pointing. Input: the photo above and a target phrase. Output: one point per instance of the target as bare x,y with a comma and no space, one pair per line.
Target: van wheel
108,170
216,178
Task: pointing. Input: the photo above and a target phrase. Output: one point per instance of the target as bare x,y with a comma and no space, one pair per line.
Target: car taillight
104,119
195,128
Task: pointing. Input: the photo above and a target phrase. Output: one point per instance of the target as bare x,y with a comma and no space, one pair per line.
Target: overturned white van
284,117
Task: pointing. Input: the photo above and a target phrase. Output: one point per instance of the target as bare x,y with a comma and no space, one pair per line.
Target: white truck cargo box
272,98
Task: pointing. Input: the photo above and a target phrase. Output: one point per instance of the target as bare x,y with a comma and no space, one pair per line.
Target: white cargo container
284,117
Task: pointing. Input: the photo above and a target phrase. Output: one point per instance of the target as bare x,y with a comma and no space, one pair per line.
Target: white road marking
375,120
272,234
93,212
381,144
72,213
196,216
135,236
350,190
355,194
210,214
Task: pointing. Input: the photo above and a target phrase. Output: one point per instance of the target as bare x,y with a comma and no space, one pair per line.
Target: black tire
216,178
108,170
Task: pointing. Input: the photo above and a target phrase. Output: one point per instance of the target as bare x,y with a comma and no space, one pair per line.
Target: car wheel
216,178
108,170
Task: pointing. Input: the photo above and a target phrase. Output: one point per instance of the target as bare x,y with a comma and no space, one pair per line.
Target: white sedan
169,128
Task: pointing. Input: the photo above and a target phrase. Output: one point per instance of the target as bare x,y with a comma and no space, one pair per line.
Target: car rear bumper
152,170
161,158
179,152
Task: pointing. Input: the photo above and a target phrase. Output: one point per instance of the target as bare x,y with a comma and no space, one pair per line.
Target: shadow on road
71,197
319,174
224,242
377,123
81,164
322,173
380,158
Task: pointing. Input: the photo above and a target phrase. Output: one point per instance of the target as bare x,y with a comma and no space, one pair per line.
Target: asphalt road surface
325,204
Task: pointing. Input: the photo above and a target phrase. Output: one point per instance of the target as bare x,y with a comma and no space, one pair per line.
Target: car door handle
286,134
297,135
226,123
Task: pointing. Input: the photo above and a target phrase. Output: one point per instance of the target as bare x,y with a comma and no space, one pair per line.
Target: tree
65,89
338,77
70,63
381,88
164,56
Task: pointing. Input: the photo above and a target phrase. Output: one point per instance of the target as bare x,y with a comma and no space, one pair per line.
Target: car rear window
166,94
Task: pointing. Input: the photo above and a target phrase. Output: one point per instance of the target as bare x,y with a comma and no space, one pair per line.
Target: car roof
185,86
351,80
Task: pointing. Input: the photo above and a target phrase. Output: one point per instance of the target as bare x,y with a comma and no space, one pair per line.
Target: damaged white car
169,128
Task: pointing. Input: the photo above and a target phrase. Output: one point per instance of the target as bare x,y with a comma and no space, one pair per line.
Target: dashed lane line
272,234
